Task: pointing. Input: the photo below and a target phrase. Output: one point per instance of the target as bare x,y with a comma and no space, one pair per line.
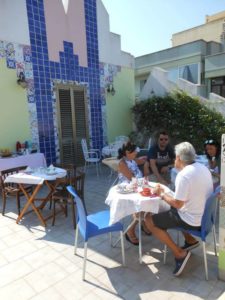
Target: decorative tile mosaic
10,55
14,56
107,74
66,71
2,49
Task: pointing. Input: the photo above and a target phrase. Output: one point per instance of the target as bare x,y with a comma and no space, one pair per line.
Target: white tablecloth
34,160
37,177
122,205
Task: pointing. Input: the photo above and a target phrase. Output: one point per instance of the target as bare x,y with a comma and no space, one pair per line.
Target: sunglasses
163,139
209,142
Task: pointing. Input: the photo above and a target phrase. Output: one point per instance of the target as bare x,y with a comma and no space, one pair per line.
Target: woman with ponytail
128,168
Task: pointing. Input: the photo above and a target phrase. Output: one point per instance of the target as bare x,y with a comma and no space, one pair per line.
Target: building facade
58,49
195,62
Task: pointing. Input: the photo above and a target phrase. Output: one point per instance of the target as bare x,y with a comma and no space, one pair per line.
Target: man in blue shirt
160,159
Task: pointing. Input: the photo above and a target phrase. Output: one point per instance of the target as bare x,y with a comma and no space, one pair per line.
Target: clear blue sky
147,26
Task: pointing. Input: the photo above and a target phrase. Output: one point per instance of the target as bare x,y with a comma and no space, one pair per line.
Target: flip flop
145,230
131,239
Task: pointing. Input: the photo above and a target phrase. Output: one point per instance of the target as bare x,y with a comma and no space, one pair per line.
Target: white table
111,162
38,178
32,160
122,205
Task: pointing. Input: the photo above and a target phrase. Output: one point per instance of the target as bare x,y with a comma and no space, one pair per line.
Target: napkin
51,170
24,178
28,170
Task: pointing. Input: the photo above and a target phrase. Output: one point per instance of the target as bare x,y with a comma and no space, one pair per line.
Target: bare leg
146,168
165,238
189,238
131,231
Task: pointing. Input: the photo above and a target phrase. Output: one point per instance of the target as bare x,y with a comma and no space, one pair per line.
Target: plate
28,172
125,191
51,173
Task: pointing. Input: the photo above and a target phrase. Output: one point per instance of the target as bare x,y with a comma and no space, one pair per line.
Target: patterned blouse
133,167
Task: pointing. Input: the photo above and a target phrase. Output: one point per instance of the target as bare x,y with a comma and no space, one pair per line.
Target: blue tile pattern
67,70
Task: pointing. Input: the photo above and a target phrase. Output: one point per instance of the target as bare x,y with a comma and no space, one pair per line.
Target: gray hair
186,152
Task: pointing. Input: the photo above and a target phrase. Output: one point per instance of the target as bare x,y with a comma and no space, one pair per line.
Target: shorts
171,219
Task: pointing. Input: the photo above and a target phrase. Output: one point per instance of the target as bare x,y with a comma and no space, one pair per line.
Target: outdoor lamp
110,89
22,80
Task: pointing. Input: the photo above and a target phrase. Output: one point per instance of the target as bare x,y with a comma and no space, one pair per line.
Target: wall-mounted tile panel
67,70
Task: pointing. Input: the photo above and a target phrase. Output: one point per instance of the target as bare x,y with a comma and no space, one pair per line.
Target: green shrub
185,118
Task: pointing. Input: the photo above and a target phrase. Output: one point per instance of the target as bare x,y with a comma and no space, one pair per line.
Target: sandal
145,230
133,240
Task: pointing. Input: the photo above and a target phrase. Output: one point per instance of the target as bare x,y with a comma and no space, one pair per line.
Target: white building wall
109,43
157,84
207,32
14,22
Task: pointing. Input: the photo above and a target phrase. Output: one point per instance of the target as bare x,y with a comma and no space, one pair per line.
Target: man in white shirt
193,186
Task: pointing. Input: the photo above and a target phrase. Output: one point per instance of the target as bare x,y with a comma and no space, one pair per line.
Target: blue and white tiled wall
46,73
18,57
107,74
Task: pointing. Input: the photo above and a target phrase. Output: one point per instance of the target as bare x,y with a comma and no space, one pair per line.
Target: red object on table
18,146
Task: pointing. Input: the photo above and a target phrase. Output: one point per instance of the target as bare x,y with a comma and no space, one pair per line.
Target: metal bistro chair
122,138
93,225
91,156
208,223
12,189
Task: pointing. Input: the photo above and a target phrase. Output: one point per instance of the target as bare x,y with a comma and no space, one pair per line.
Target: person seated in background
212,151
192,188
160,159
128,168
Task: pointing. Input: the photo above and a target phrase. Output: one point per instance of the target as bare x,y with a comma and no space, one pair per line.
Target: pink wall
68,27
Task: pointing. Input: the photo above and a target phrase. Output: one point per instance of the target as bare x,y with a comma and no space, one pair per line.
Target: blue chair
93,225
207,224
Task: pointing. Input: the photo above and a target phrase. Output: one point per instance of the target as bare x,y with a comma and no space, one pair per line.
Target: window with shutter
72,121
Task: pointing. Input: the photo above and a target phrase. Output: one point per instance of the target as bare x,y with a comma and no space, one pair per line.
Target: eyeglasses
163,139
209,142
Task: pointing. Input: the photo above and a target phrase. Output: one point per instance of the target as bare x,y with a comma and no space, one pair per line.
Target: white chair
121,138
150,143
91,156
112,163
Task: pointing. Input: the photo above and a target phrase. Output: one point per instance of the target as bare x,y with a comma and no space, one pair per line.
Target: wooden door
72,121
